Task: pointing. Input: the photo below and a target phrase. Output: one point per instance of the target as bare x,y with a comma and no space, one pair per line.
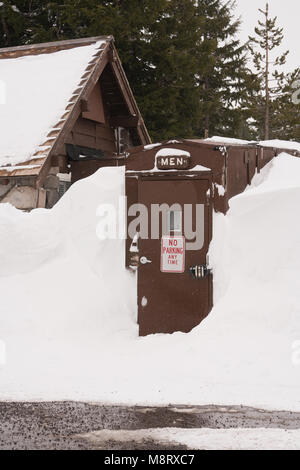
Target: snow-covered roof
167,152
276,143
40,85
226,140
281,144
38,90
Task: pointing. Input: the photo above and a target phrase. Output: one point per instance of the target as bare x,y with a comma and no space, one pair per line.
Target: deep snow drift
68,305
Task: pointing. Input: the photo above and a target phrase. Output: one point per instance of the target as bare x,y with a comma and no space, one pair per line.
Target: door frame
188,176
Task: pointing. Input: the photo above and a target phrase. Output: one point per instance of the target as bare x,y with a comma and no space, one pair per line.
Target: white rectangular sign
172,254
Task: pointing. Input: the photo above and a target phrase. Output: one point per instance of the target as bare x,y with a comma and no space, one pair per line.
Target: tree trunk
5,29
207,117
267,116
206,133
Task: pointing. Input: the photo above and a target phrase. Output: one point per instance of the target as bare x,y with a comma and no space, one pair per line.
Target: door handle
200,271
144,260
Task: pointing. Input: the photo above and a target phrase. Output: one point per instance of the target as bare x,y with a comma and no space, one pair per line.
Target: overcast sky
288,13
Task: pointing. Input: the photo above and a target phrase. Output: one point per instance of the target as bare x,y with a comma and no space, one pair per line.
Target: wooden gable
102,103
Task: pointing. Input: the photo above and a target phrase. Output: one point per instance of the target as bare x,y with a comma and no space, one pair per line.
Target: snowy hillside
68,305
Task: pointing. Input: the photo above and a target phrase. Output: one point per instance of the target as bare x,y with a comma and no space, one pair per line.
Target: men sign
181,162
172,254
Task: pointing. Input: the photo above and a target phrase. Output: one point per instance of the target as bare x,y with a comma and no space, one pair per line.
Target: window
175,221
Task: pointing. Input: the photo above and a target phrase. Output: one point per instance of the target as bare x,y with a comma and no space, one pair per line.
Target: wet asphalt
62,425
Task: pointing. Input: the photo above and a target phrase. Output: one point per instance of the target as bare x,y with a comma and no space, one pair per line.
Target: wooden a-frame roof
39,162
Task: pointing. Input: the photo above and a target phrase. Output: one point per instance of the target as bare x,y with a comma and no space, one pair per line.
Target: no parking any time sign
172,254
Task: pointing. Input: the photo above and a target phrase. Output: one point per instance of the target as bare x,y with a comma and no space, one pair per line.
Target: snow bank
68,306
46,86
202,438
58,288
256,259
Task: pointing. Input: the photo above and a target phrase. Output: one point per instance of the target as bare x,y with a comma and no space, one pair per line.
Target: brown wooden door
174,301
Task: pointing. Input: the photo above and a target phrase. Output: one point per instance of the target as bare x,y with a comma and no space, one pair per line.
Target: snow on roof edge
275,143
13,152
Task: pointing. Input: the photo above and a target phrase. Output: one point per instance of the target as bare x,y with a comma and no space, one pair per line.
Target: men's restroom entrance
175,283
173,293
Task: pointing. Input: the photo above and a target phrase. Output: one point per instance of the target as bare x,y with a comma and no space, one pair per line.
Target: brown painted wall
88,133
86,168
232,166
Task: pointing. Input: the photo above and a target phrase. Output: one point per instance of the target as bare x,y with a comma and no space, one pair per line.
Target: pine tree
157,41
286,108
170,101
225,82
186,68
12,23
268,37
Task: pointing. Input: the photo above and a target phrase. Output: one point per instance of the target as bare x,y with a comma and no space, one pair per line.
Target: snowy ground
78,425
68,305
203,439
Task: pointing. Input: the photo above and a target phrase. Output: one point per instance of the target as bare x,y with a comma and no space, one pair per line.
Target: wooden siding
88,133
95,109
86,105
